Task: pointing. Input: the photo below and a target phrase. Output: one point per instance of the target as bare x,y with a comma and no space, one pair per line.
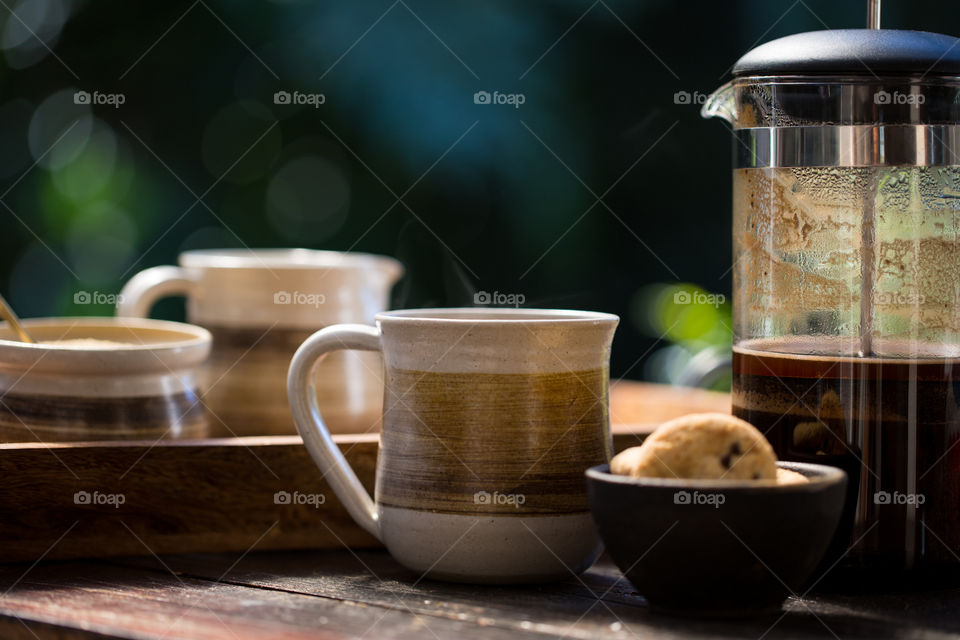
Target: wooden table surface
364,594
345,593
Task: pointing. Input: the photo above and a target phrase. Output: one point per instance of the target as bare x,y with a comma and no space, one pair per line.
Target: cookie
785,476
706,446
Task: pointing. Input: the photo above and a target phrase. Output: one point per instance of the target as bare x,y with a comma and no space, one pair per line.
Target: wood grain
119,601
365,594
451,437
176,496
373,578
589,607
641,406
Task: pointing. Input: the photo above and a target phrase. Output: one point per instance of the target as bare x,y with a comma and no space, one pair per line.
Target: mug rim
283,258
818,475
44,360
193,335
497,315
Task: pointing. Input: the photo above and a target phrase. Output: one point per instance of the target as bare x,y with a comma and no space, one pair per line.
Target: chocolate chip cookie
708,446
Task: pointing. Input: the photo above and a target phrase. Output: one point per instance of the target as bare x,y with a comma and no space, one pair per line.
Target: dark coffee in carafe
893,424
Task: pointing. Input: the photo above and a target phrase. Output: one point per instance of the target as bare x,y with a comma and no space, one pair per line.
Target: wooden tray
59,500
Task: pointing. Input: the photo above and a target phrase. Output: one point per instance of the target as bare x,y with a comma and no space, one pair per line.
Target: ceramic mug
101,379
260,305
490,418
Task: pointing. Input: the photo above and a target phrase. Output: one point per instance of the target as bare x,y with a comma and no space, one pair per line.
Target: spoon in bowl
6,312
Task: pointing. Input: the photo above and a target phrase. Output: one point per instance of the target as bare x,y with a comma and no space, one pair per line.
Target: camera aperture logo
96,98
312,499
699,297
512,99
499,499
885,97
699,498
96,498
897,498
497,299
96,297
299,298
299,98
687,97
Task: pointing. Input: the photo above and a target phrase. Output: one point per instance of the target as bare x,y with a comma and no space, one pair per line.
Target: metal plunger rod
868,241
873,14
868,233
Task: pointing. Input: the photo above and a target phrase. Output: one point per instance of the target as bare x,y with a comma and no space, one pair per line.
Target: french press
846,276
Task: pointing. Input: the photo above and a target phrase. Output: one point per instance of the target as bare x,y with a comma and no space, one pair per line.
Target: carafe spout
721,104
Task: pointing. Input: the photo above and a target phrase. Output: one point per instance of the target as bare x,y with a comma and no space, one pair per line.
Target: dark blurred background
184,138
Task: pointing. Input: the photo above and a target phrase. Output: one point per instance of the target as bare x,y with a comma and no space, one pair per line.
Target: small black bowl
715,547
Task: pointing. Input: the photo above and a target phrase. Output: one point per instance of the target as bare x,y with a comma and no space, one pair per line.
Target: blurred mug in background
260,305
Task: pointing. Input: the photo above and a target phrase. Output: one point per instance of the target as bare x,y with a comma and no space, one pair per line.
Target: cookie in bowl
697,533
708,446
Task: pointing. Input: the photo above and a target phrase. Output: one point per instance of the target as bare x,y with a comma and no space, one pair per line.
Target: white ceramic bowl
101,378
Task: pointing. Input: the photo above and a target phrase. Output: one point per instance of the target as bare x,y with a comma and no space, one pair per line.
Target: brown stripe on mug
243,338
246,383
25,418
492,443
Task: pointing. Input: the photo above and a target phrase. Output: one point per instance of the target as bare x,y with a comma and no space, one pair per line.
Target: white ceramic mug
491,417
260,305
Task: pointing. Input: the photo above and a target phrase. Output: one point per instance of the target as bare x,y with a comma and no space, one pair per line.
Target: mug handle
144,289
306,413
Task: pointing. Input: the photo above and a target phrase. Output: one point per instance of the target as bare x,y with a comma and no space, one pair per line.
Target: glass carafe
846,275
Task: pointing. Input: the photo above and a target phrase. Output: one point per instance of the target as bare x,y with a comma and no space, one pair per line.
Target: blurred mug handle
144,289
306,413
